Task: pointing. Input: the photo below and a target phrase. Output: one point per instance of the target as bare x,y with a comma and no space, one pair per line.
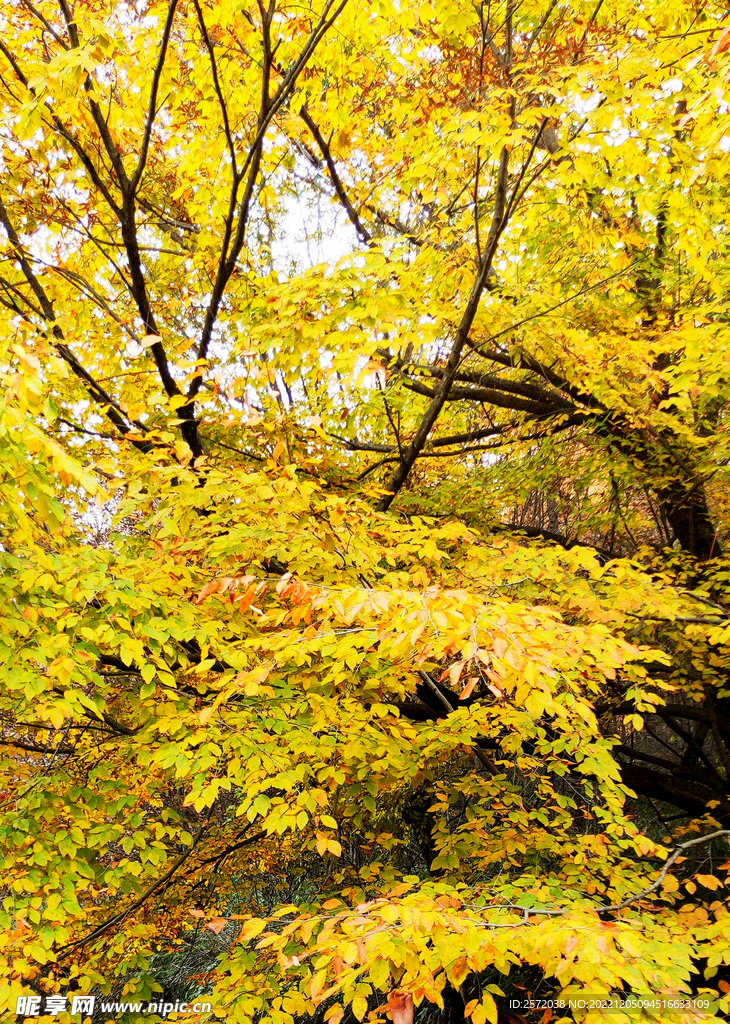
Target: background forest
365,505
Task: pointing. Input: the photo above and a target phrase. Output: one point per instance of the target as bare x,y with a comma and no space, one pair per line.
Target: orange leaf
208,589
459,972
722,43
245,602
217,924
455,671
469,688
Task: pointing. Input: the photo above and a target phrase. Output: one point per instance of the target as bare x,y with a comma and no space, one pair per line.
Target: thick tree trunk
687,514
671,789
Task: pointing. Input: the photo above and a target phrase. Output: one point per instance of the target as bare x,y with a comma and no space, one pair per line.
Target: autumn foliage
365,505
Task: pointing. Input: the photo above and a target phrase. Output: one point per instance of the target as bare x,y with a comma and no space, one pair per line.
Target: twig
663,873
477,751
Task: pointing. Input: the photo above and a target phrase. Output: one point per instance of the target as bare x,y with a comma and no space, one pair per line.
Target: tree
366,620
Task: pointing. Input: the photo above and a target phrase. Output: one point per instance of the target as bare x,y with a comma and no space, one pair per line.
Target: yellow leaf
359,1006
252,928
708,881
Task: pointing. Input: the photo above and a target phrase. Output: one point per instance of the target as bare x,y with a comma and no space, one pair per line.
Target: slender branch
112,150
37,747
250,169
388,413
218,89
536,34
126,214
589,24
63,951
112,409
45,22
86,289
477,751
364,234
678,851
479,346
248,841
10,287
152,110
437,403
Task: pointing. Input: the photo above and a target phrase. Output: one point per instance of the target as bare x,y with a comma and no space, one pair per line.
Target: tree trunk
687,514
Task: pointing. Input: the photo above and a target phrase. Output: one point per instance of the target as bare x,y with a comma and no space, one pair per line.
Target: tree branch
63,951
363,233
152,110
437,403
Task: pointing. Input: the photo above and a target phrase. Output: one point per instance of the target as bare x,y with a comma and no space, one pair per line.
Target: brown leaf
207,590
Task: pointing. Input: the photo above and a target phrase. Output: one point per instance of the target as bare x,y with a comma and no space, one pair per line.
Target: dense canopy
365,498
